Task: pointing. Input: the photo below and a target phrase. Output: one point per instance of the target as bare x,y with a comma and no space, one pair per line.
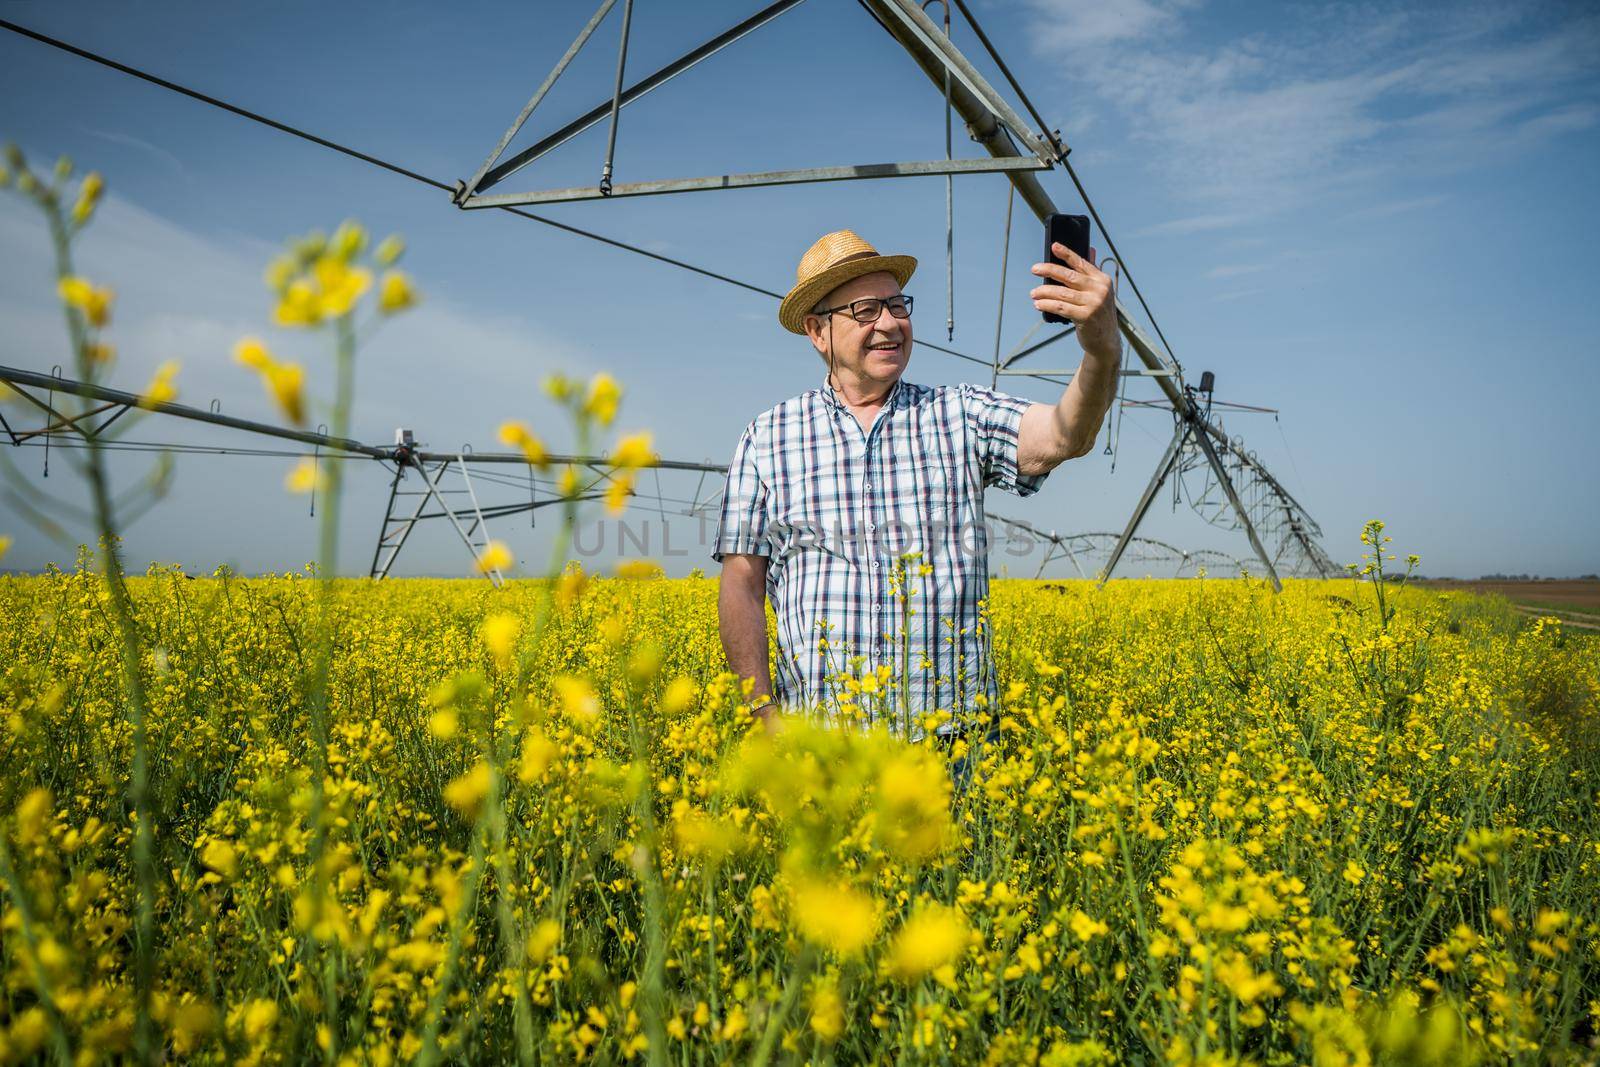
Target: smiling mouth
885,347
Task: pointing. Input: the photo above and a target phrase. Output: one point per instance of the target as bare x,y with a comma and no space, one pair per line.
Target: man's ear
814,331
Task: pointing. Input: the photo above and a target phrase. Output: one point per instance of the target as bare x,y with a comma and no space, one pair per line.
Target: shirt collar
833,398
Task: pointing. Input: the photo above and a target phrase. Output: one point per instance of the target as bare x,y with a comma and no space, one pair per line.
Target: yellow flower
704,836
285,382
161,390
298,305
933,938
88,198
520,435
495,557
633,451
341,285
638,568
1547,922
604,395
389,250
538,752
546,937
499,632
836,917
192,1022
577,697
395,292
618,490
252,353
913,805
678,697
5,545
568,483
33,812
221,857
93,302
444,723
259,1018
466,793
558,387
305,476
1085,927
279,273
348,241
570,585
827,1013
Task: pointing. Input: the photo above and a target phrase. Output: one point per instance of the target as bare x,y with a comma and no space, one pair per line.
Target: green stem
130,651
780,1015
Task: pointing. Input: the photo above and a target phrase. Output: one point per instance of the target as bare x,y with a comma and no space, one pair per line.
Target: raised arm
1051,434
742,620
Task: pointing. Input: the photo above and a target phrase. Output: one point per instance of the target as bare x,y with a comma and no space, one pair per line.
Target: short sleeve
743,526
995,421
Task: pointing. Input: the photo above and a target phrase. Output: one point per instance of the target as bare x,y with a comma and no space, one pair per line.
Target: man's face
877,351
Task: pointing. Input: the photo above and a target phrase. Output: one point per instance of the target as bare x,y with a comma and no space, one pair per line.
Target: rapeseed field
297,818
1220,825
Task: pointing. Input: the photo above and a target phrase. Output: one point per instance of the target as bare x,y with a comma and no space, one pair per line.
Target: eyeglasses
869,308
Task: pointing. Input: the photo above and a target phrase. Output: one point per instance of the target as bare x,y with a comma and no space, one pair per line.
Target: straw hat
835,259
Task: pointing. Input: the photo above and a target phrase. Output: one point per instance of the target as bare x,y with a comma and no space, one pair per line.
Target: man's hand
1080,291
768,715
742,620
1050,434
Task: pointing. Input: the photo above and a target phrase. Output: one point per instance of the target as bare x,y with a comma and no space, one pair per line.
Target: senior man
829,489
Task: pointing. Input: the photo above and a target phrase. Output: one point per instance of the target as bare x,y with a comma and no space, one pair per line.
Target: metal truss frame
1072,547
473,193
1015,149
470,522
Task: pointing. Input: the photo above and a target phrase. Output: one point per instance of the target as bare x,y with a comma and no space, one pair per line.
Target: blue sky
1369,217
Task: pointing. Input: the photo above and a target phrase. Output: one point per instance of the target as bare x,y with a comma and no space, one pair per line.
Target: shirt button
874,609
869,485
874,563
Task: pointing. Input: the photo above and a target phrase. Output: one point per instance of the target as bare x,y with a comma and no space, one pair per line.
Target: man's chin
885,364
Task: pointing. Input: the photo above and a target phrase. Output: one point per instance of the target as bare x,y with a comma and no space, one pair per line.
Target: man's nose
881,326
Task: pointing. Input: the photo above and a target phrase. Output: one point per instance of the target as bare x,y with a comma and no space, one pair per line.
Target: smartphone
1072,231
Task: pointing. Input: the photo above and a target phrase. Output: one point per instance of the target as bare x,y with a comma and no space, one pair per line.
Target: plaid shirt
832,506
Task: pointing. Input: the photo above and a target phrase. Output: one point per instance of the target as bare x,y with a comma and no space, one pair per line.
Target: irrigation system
1214,473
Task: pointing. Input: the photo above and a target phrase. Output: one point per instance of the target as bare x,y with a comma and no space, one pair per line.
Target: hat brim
803,297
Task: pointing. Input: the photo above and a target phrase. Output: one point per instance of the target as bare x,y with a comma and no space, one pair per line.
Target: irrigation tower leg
1233,498
1169,459
380,563
492,574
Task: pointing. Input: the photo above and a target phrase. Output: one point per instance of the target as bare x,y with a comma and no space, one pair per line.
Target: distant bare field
1582,597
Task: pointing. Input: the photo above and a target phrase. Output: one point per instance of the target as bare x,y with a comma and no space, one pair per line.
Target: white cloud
167,159
1396,207
1233,270
1195,224
1347,94
1078,25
